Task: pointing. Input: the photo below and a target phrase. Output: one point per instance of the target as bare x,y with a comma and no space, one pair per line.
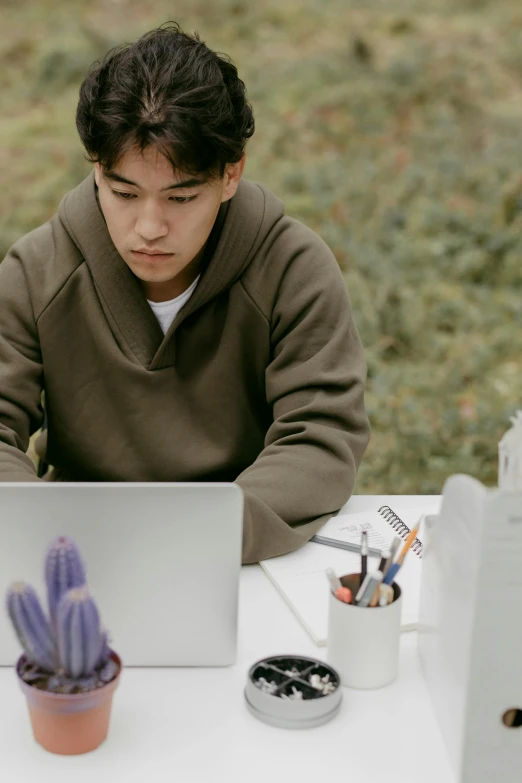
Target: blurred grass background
394,130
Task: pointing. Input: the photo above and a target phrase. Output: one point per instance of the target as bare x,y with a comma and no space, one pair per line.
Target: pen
362,589
368,588
392,572
385,556
393,552
344,545
364,555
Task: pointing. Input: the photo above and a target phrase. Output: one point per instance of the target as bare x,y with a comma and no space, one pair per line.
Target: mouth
156,258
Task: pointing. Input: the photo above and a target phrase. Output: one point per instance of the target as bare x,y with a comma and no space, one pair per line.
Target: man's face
151,215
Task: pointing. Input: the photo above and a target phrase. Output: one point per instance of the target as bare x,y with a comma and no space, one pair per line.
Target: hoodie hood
241,226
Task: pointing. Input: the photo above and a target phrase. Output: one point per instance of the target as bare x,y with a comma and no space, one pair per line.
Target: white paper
300,575
348,527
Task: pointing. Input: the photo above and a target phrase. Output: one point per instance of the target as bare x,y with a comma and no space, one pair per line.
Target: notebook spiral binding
400,528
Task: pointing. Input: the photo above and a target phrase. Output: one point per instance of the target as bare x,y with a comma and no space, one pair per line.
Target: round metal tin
293,692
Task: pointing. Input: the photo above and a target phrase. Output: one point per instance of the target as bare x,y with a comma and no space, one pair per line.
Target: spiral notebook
345,528
300,576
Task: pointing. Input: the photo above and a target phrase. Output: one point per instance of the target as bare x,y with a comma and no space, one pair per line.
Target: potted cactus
67,670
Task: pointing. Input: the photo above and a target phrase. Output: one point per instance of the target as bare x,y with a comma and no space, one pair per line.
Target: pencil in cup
395,567
364,555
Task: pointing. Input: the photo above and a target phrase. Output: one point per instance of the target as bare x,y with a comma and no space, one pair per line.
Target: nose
151,224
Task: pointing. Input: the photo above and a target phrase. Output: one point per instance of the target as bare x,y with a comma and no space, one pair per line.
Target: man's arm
315,385
21,373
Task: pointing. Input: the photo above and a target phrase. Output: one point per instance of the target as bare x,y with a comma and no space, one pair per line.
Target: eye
183,199
130,196
124,196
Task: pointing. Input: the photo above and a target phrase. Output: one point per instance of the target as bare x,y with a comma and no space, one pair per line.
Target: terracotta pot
70,723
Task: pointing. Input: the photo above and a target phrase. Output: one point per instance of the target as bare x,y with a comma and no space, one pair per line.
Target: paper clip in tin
293,692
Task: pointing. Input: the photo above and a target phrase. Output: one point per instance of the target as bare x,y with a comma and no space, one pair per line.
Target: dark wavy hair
168,90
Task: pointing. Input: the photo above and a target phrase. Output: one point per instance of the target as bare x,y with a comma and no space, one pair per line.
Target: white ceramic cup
363,643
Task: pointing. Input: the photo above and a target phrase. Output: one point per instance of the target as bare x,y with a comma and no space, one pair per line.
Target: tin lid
292,691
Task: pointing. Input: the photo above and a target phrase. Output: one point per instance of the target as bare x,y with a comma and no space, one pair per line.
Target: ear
232,177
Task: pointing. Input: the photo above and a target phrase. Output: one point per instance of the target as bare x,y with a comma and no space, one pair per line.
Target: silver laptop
162,562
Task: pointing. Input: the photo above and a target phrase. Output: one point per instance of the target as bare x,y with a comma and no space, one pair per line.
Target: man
182,326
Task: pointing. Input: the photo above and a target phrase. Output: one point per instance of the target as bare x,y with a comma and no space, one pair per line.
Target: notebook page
348,527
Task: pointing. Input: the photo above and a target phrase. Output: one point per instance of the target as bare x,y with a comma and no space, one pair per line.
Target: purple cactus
79,635
68,653
31,625
105,649
64,569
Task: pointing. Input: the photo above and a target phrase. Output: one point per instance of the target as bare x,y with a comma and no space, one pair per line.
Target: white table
192,725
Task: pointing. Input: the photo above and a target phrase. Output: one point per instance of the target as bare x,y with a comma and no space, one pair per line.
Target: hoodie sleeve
315,385
21,374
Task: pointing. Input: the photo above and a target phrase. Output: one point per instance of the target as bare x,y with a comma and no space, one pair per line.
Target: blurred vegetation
394,130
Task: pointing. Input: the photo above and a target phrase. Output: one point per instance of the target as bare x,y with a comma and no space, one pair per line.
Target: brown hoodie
259,379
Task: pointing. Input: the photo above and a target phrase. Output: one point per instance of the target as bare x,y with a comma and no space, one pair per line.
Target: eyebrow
188,183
